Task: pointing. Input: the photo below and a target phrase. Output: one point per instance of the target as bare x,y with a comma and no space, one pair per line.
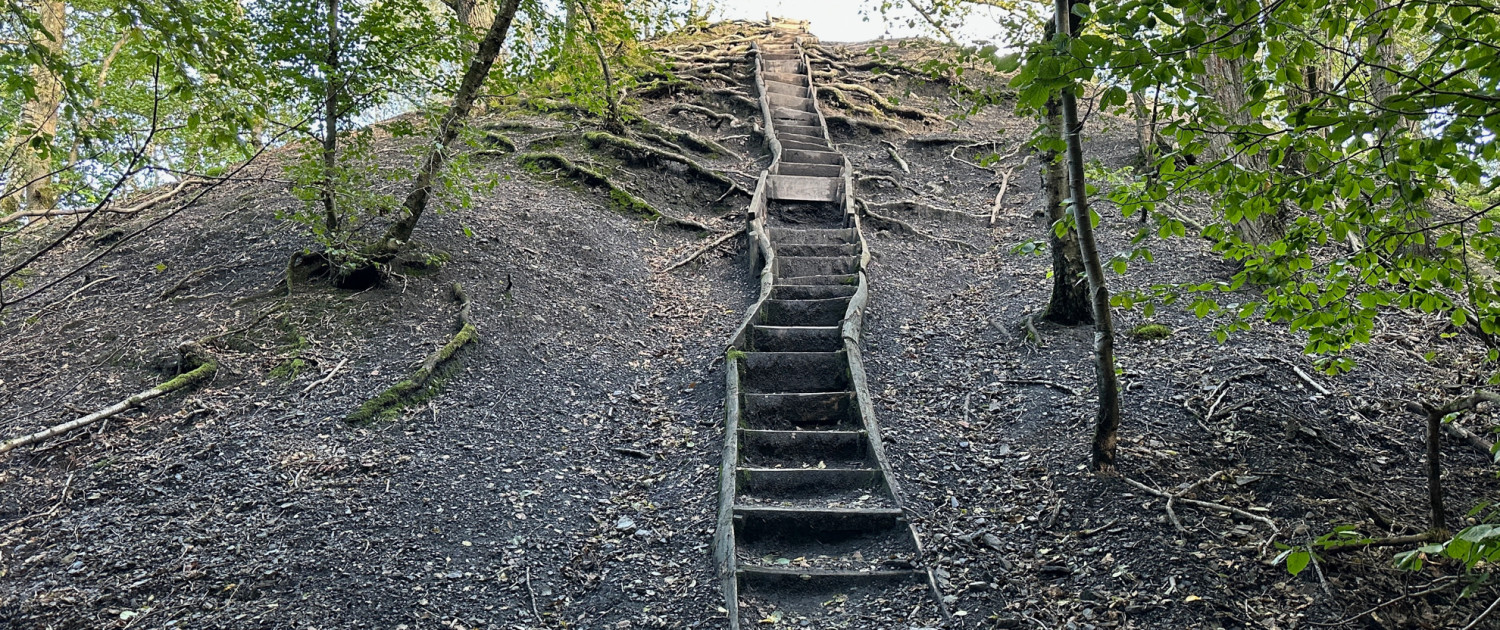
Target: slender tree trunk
616,123
32,166
1435,472
1107,421
400,232
1069,304
331,123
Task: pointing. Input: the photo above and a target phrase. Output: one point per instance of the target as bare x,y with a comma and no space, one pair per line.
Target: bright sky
849,20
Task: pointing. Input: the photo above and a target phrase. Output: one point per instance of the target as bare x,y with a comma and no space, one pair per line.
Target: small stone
625,523
992,541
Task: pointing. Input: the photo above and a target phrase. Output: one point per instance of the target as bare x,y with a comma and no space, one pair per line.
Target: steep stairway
811,531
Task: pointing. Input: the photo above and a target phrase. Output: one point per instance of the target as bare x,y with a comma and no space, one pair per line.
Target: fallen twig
1446,580
327,378
1202,504
890,149
702,250
202,367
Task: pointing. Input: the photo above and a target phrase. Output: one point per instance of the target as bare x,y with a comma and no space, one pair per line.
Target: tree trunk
1435,472
331,123
616,123
1107,420
30,177
1420,213
1225,80
1069,304
400,232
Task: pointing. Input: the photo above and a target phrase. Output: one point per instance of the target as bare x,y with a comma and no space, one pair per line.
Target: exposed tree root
661,88
922,209
718,118
874,126
883,103
197,365
496,142
620,199
429,377
736,97
840,99
686,138
890,149
636,152
898,226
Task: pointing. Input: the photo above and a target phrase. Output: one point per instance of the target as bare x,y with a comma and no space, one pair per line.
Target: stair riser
828,312
778,339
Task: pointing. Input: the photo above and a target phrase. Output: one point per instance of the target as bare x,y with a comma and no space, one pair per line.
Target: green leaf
1297,560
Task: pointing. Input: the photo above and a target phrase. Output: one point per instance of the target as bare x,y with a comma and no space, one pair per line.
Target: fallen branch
200,367
702,250
890,149
1175,498
425,382
1304,376
16,216
1000,196
327,378
1034,381
1446,580
912,205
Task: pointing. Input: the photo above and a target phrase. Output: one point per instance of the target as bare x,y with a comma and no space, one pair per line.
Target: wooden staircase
811,530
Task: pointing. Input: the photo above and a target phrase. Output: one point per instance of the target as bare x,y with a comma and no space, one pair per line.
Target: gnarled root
636,152
620,199
428,379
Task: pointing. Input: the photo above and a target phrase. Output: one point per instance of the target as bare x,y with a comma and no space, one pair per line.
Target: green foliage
358,195
1479,543
1362,167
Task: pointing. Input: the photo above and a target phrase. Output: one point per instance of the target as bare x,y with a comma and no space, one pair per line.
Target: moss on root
428,380
619,199
1151,332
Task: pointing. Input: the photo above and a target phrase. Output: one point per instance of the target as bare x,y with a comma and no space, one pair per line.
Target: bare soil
565,476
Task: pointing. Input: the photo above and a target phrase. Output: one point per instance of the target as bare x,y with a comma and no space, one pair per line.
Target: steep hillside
564,475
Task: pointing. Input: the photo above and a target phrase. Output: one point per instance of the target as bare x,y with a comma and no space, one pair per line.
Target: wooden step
794,143
851,280
787,89
818,524
824,251
789,102
780,56
813,236
790,372
821,580
812,157
785,77
810,170
782,67
789,411
815,483
773,448
802,137
799,188
804,117
811,291
796,338
797,266
806,130
824,312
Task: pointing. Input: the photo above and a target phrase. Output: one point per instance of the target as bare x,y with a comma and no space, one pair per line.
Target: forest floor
566,475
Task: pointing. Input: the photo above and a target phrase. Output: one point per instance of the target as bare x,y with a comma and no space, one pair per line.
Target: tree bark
1435,471
400,232
31,174
1069,304
1225,79
331,123
1107,420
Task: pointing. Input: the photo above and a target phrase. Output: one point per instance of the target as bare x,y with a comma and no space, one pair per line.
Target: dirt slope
565,476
